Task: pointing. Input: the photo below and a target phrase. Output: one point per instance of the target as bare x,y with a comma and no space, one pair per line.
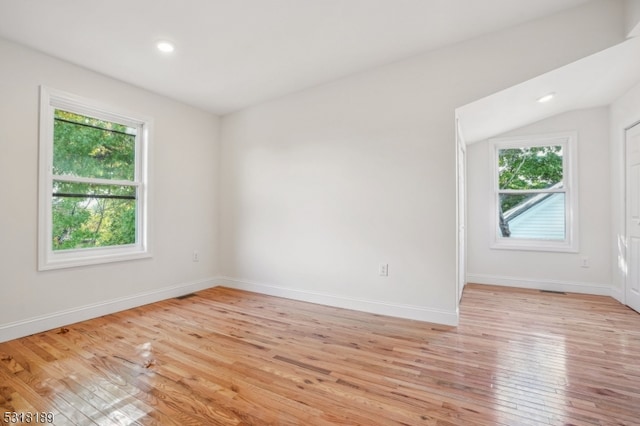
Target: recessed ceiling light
165,46
546,98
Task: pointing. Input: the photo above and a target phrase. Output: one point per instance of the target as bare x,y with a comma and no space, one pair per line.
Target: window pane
88,147
88,215
536,216
530,167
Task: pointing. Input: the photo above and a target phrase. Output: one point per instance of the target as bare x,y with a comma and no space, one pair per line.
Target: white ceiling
593,81
234,53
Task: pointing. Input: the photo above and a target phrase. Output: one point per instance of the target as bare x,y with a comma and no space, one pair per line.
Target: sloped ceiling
231,54
596,80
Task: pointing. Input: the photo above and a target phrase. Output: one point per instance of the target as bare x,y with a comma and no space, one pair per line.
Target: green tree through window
538,167
94,193
535,197
93,184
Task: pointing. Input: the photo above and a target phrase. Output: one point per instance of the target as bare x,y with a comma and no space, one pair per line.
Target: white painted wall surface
547,270
320,187
625,112
184,178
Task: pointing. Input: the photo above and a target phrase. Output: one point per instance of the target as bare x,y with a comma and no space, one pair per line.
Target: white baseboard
419,313
39,324
618,294
537,284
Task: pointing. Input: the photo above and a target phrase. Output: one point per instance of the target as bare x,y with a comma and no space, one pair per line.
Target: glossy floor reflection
227,357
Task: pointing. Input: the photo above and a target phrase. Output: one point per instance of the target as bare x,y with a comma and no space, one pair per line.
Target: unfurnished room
320,212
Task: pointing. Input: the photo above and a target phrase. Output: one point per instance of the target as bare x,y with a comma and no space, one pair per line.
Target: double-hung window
535,196
93,183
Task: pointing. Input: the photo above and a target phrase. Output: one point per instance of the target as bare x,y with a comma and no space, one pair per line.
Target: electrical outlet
196,256
383,270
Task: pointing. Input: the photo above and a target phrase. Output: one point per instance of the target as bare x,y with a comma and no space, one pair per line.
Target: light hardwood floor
227,357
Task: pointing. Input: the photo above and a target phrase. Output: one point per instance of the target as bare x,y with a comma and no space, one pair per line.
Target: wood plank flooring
227,357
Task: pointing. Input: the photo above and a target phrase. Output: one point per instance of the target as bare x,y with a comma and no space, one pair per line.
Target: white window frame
568,141
50,100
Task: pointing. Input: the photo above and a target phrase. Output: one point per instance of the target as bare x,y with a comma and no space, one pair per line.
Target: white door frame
461,213
626,214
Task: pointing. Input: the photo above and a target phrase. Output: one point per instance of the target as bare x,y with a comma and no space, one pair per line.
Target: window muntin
93,186
535,196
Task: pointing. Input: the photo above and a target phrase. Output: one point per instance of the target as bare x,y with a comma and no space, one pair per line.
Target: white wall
320,187
625,112
185,161
546,270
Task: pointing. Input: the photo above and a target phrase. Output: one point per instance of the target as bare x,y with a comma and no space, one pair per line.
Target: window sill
86,257
534,245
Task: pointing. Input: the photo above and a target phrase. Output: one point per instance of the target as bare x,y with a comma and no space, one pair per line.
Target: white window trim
570,167
51,99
